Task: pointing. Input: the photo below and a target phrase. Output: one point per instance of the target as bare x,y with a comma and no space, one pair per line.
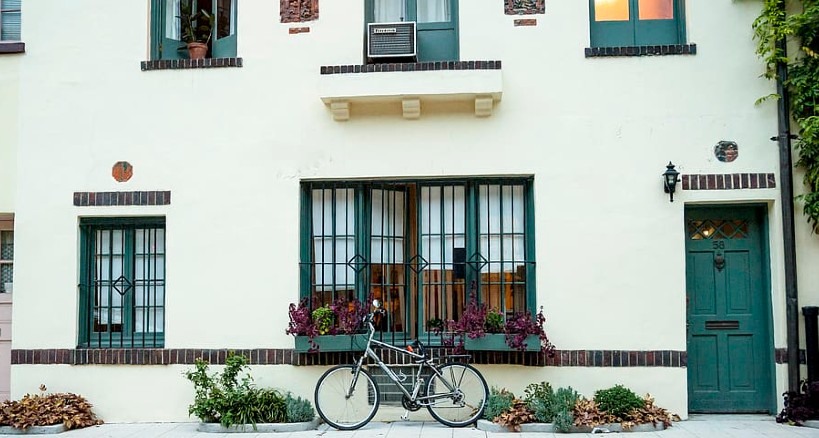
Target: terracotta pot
197,50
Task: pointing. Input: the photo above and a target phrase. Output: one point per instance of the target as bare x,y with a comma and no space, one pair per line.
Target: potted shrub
197,30
485,330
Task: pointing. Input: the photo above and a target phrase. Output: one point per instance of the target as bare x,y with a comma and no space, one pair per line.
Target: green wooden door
729,345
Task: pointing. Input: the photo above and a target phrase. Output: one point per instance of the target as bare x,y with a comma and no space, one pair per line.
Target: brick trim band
94,199
729,181
411,66
178,64
272,356
673,49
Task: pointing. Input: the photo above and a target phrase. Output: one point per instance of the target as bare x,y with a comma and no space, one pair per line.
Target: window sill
673,49
182,64
12,47
410,84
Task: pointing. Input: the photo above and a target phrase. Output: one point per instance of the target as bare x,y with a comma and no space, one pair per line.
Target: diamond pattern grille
717,229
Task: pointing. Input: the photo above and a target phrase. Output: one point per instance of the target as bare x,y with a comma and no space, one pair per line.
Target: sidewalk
698,426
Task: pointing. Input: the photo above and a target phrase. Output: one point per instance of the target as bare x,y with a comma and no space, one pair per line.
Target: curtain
387,11
173,29
433,11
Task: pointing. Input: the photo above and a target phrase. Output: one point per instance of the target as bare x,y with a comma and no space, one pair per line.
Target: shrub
323,318
494,322
71,410
498,402
517,414
540,400
229,400
563,408
618,401
298,409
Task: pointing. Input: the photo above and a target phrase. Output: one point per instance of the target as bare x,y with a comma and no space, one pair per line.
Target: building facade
167,208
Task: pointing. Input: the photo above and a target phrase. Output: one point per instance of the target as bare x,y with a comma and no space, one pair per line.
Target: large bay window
419,246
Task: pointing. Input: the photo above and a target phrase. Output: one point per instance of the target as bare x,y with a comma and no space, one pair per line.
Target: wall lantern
670,180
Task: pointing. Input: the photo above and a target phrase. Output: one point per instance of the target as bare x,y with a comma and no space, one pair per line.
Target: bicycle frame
422,361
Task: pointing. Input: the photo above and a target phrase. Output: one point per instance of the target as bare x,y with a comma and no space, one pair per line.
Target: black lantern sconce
670,180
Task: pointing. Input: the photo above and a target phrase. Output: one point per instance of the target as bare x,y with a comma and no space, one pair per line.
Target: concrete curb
33,430
260,427
814,424
488,426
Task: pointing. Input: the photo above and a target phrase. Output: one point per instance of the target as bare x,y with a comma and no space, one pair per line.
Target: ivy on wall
800,28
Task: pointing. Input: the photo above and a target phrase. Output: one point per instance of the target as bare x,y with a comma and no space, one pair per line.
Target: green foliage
562,408
499,401
229,400
775,25
299,410
197,27
618,400
323,318
539,397
494,322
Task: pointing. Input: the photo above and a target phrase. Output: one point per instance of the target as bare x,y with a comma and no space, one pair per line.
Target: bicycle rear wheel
458,395
339,410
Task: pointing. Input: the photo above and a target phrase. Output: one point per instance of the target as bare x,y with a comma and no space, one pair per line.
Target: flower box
327,343
497,342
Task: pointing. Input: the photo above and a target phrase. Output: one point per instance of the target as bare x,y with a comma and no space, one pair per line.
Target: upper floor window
175,24
621,23
122,282
436,25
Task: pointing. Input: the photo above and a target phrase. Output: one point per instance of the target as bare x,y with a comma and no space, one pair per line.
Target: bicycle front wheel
343,403
457,395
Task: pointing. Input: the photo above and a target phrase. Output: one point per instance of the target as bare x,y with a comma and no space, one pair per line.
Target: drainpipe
788,234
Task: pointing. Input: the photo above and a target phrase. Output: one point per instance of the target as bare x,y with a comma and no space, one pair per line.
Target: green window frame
10,20
419,246
633,31
122,282
436,40
166,33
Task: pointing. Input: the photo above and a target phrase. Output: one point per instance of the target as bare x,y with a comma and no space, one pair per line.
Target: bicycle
347,398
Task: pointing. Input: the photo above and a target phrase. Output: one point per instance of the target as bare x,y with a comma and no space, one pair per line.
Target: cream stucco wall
233,144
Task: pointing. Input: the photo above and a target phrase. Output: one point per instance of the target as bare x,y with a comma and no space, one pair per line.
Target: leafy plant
71,410
618,401
774,25
299,410
323,318
231,398
197,27
650,414
435,325
348,314
562,410
588,413
494,322
498,402
520,325
540,398
518,413
472,322
802,405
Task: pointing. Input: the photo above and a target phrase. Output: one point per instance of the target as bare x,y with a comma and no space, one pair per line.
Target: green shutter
224,34
10,20
164,46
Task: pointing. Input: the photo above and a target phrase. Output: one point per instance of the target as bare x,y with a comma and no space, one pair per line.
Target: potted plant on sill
332,327
197,30
485,330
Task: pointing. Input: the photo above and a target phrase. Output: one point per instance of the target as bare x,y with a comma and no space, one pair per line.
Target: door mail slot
721,325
